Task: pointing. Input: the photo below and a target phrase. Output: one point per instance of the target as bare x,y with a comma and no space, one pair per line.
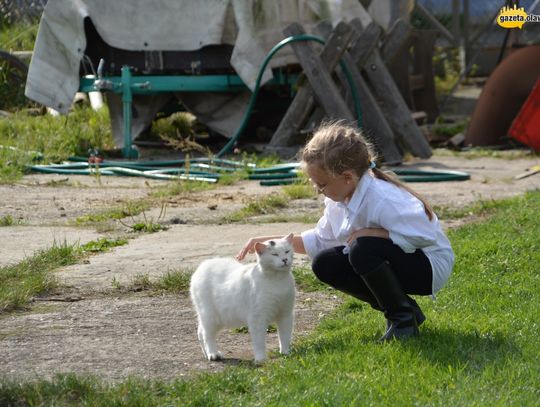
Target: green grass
259,206
102,245
7,220
300,190
18,36
306,281
20,282
478,208
180,187
24,137
174,281
479,345
130,209
33,276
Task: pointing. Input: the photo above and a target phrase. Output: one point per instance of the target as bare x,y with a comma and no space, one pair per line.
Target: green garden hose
208,170
251,104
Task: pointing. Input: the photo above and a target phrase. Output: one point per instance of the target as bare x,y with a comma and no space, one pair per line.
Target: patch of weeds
146,225
7,220
102,245
116,285
174,281
300,190
20,282
448,130
131,209
259,161
141,282
261,206
231,178
180,187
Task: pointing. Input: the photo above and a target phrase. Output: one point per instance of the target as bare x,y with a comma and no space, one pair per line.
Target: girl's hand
374,232
249,247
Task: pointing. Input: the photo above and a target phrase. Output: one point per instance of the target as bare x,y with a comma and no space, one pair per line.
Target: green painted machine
128,84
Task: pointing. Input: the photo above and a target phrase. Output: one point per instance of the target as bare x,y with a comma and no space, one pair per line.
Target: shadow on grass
467,350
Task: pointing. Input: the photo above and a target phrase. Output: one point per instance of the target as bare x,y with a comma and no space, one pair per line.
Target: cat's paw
215,356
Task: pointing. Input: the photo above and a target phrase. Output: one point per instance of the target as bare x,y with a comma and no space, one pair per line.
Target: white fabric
380,204
252,26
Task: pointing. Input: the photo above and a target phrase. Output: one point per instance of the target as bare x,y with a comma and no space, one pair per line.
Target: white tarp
253,27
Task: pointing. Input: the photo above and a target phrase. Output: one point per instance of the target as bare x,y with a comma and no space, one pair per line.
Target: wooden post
397,39
435,23
396,56
424,96
456,29
317,73
375,126
316,69
397,112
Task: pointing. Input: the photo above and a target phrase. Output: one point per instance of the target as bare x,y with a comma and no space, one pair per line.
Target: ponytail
389,176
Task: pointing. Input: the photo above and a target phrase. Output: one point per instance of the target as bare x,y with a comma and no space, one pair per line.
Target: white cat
228,294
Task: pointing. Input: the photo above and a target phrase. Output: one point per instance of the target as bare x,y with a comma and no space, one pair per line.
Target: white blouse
376,203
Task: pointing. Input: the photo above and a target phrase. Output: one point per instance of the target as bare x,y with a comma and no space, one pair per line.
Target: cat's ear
260,247
289,237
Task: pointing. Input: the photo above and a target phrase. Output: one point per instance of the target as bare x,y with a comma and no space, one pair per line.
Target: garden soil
102,321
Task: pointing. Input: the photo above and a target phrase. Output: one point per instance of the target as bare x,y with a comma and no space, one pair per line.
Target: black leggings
343,271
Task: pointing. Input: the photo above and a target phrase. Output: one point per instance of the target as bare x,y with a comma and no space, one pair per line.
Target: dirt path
114,335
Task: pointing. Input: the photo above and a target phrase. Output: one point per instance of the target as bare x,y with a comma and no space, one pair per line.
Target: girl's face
338,188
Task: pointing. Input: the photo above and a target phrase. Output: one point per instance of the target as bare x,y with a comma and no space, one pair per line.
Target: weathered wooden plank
397,38
397,112
365,41
396,55
432,20
374,123
424,97
319,77
304,101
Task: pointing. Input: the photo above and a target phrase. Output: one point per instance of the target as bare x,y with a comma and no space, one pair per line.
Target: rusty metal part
502,97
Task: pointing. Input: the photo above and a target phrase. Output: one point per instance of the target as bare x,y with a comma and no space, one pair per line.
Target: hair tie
372,164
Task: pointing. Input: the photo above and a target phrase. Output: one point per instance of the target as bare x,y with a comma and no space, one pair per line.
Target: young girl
377,240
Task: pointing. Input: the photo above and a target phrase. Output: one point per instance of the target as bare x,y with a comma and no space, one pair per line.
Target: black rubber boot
397,306
418,314
364,294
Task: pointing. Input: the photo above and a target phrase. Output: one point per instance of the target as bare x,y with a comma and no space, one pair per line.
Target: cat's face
276,254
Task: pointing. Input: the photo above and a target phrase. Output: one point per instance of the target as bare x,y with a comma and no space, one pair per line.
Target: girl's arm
373,232
249,247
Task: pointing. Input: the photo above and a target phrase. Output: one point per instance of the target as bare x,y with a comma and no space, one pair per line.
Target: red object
526,126
95,159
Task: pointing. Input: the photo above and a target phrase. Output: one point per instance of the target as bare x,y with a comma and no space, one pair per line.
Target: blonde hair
337,147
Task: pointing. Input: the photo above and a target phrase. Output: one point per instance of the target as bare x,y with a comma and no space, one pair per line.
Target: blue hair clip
372,164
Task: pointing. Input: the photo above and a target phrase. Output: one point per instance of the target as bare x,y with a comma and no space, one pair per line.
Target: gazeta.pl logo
515,17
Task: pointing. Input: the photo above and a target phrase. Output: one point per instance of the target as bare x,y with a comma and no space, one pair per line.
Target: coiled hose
251,104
